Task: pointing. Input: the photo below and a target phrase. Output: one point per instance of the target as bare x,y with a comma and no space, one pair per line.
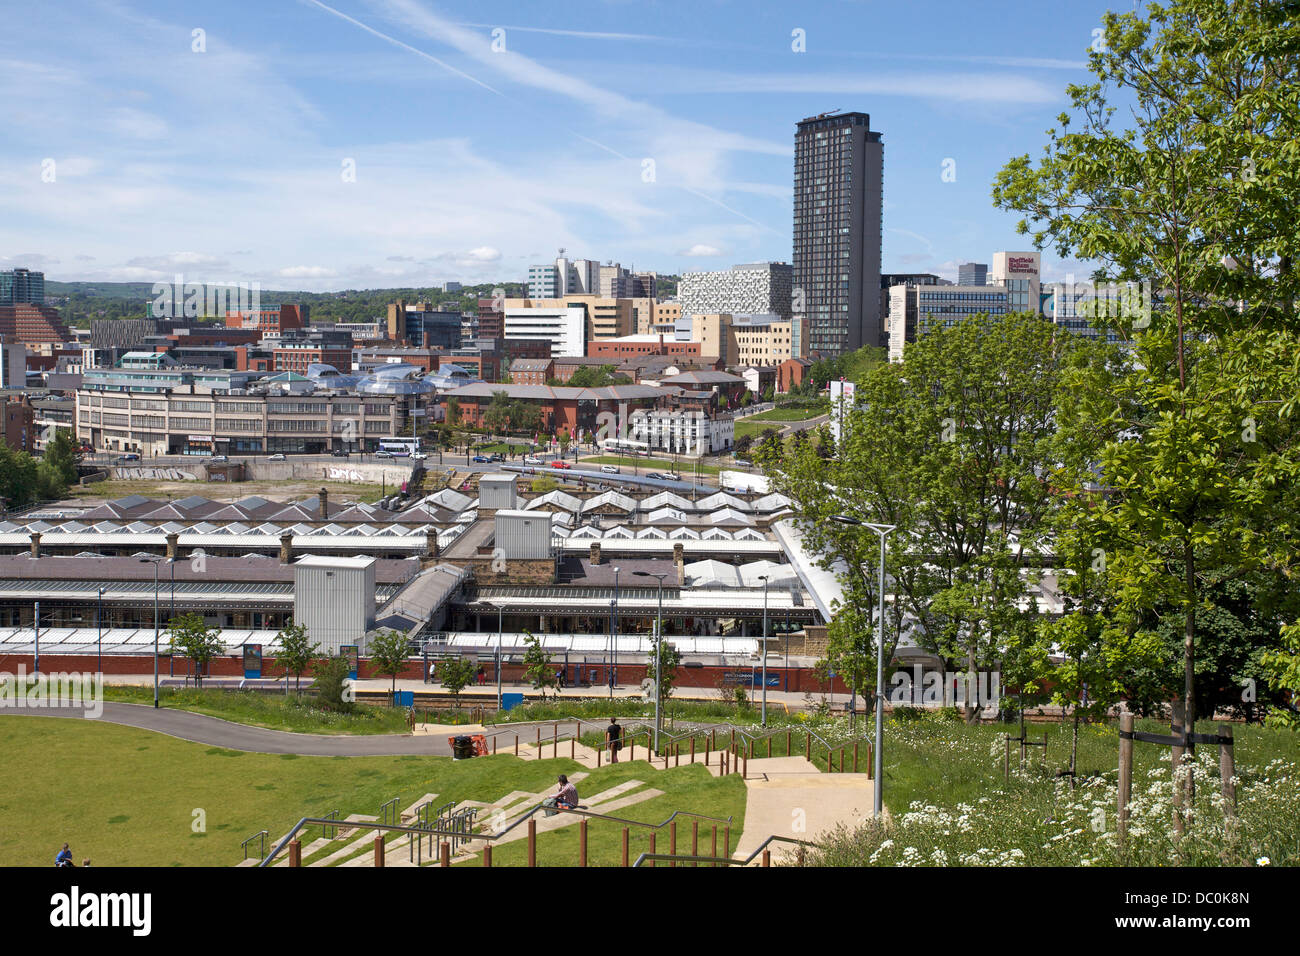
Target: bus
400,447
626,446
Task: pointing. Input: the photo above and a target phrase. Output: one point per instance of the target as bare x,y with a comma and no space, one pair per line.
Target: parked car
497,456
123,459
383,454
671,476
482,460
532,460
275,457
613,470
218,460
560,464
339,453
419,455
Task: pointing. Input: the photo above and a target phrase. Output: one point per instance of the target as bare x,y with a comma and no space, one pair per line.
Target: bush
330,684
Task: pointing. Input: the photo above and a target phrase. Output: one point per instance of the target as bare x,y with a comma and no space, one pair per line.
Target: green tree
497,414
538,666
453,412
455,674
193,639
296,653
389,652
670,659
330,681
61,457
1196,198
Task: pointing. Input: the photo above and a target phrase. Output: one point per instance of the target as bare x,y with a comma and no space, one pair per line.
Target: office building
972,273
916,309
751,289
13,364
838,183
22,286
563,329
421,325
1018,273
37,326
890,279
270,320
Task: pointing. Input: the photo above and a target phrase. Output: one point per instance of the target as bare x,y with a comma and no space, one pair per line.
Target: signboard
352,653
252,660
206,438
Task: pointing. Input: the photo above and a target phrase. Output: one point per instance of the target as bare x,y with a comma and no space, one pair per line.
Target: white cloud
700,249
306,272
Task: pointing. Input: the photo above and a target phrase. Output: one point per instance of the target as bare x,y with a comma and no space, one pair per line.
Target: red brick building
271,320
563,409
616,350
531,371
792,372
32,324
19,427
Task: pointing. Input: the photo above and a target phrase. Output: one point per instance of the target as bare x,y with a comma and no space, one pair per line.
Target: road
214,732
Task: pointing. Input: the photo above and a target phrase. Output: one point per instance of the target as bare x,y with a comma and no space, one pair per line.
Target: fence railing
762,850
261,836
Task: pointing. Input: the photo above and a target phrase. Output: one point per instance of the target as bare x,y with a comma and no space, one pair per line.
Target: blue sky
130,155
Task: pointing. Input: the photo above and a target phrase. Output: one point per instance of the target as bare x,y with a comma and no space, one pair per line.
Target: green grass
276,711
128,797
683,468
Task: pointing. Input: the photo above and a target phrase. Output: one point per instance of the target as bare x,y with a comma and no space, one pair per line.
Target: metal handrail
334,831
458,835
383,810
262,852
725,860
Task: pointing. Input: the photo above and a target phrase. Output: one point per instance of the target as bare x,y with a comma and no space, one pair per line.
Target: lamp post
613,636
882,530
501,610
154,562
658,645
763,647
99,627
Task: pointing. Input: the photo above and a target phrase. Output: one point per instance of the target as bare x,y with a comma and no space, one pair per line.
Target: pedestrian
63,857
565,799
614,739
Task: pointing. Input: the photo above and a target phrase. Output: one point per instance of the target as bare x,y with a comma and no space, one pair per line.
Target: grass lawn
276,711
685,468
128,797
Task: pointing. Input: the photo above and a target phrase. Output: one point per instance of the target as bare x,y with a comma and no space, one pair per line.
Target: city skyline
139,147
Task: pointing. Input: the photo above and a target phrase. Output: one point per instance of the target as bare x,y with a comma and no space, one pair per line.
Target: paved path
788,796
215,732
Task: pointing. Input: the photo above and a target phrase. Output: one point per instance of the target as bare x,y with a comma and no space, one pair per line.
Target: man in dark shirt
614,739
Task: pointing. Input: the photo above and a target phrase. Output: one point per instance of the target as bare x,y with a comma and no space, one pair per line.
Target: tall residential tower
838,182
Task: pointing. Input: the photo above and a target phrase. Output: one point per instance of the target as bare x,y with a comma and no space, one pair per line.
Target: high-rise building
890,279
916,309
756,288
838,184
1018,273
22,286
972,273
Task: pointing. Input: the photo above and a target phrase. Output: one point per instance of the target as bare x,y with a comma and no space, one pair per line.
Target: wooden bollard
1179,730
695,840
516,745
722,761
726,841
807,750
631,752
652,846
532,842
767,857
787,743
494,745
713,739
692,748
625,846
573,748
713,844
744,773
733,739
487,854
555,733
677,755
295,852
1125,775
599,751
769,745
539,740
379,849
582,842
444,854
1227,770
855,756
672,843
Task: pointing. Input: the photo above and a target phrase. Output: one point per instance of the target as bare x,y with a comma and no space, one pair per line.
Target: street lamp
763,647
99,627
658,644
613,635
883,531
154,562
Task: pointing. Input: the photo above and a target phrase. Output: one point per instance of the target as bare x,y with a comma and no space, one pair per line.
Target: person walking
614,739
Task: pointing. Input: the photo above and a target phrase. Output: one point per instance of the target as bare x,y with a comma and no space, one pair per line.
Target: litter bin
462,748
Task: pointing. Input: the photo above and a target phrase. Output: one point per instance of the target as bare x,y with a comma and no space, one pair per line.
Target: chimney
172,540
286,548
324,504
36,544
595,551
431,542
679,561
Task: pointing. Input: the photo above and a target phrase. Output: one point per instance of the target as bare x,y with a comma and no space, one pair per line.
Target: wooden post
532,841
494,745
539,740
516,745
1227,770
677,755
599,751
1006,760
295,852
807,749
733,738
1175,764
722,761
787,743
713,844
487,854
444,854
726,841
767,857
1125,774
625,846
379,849
708,752
652,846
695,839
573,748
631,753
692,748
855,756
582,842
744,770
672,843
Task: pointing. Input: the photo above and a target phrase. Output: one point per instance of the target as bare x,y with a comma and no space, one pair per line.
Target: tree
330,677
61,457
389,652
18,481
455,674
496,417
670,660
193,639
1196,198
538,667
296,653
453,412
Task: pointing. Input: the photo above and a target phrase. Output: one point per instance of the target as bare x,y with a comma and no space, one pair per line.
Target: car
497,456
560,464
743,464
384,454
339,453
482,460
275,457
532,460
218,459
123,459
419,455
671,476
612,469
